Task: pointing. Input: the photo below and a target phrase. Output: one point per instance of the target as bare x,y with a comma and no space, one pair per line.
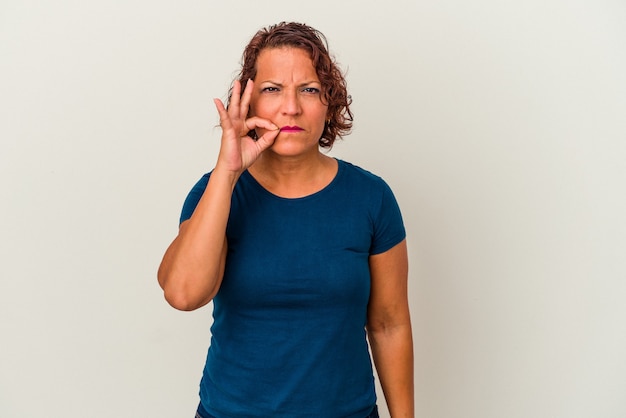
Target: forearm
392,350
192,267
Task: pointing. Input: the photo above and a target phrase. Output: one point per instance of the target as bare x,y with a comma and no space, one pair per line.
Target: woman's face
287,92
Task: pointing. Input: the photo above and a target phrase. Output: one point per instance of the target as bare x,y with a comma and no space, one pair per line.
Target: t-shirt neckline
330,185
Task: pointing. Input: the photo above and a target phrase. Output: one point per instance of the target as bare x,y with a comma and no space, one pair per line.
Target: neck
293,177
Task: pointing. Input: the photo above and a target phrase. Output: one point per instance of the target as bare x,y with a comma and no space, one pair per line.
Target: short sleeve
388,224
193,198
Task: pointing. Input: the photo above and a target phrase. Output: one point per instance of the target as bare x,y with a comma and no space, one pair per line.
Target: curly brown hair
334,90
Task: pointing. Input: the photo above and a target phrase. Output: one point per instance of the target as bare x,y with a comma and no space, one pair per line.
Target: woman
300,253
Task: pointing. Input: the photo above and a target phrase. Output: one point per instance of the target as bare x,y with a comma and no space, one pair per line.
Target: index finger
235,98
246,97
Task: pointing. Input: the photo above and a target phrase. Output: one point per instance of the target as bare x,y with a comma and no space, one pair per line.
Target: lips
291,129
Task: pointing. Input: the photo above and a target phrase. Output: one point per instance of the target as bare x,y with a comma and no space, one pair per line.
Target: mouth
291,129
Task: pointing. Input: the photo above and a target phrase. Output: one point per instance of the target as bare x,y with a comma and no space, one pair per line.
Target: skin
285,92
389,329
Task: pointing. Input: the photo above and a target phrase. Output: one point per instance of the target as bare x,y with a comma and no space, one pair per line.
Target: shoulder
193,197
358,178
355,170
203,181
375,197
356,173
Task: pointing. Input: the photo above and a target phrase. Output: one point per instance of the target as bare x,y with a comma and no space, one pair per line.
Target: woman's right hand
193,266
238,151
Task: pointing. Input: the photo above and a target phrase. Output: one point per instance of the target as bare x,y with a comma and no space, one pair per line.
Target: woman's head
334,91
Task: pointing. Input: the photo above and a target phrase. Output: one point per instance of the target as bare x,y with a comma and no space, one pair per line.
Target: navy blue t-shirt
288,336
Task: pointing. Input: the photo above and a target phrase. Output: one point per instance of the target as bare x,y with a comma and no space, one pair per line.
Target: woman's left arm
389,329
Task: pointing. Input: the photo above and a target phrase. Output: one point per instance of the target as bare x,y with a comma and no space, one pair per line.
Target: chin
292,148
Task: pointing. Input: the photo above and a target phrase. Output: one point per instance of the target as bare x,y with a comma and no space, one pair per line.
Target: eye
269,89
311,90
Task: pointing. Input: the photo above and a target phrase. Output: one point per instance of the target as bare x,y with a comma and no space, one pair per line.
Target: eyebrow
306,83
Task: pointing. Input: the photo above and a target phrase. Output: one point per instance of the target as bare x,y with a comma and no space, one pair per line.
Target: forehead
284,62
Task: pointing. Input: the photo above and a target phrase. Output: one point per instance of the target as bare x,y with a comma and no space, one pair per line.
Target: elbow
181,294
389,323
182,302
186,298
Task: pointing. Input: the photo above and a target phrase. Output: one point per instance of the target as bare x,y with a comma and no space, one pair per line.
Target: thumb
267,139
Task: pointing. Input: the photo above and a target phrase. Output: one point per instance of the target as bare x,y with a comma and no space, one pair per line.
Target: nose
291,103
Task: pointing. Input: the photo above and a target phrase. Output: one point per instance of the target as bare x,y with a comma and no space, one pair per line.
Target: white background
500,125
